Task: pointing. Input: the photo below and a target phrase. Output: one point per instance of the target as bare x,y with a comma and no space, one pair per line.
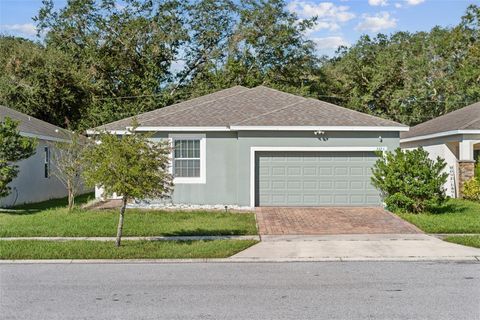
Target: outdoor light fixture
318,132
380,138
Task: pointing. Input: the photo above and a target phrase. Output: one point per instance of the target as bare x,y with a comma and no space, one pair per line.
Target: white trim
258,128
40,137
93,131
203,158
255,149
439,134
184,129
318,128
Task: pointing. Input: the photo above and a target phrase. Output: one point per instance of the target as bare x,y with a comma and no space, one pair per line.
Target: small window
47,162
186,158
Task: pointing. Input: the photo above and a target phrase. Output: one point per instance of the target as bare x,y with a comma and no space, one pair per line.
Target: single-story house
262,147
454,137
35,181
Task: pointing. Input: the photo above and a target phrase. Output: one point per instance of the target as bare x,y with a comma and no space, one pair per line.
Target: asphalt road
325,290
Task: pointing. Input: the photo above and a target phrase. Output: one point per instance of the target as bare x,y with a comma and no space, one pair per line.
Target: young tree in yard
130,166
409,180
13,148
68,161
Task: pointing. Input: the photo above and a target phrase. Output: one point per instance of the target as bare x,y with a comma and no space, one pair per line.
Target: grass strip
30,249
471,241
456,216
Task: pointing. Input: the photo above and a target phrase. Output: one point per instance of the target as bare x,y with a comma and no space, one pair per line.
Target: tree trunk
120,222
70,196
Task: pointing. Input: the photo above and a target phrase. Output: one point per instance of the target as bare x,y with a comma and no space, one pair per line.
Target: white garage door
315,179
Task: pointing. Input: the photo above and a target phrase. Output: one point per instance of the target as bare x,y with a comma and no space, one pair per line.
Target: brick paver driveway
326,220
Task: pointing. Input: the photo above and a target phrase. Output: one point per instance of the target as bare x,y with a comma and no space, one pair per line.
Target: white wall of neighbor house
445,151
31,185
452,149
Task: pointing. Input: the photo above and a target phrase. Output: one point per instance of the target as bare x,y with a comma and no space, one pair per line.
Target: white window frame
203,155
46,162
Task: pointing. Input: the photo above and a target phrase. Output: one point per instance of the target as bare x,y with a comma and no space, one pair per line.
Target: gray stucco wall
221,161
228,160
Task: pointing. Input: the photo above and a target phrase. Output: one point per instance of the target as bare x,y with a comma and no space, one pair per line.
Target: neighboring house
454,137
262,147
35,181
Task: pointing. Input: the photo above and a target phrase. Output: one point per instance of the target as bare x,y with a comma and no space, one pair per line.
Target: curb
159,238
244,260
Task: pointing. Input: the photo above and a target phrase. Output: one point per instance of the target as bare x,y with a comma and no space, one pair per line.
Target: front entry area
314,178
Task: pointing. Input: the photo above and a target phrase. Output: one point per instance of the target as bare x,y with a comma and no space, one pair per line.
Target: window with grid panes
186,162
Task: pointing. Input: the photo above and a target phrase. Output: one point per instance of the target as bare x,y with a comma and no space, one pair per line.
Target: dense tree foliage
43,82
408,77
102,60
14,147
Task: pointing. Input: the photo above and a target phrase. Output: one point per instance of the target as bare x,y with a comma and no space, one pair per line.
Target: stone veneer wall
466,171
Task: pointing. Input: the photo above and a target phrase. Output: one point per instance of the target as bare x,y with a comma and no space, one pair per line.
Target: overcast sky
340,22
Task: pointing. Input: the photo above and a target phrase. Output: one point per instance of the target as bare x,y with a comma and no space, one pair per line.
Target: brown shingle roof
467,118
259,106
33,126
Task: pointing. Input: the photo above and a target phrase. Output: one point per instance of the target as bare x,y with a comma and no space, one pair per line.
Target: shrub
409,180
471,189
477,169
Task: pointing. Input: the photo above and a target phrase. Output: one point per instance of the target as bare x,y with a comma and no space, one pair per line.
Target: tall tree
43,82
410,77
14,147
127,50
266,45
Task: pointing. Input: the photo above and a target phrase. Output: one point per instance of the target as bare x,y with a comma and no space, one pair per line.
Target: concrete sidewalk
382,247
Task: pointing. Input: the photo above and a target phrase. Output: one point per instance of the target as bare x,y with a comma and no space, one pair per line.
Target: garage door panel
357,199
325,184
341,171
278,185
341,185
294,185
357,185
278,171
340,199
356,171
325,199
315,179
294,198
310,185
309,171
294,171
325,171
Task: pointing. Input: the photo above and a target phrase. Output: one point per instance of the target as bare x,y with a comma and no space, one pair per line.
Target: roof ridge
275,110
356,111
174,112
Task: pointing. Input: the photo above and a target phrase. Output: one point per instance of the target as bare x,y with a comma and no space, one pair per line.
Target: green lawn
24,249
456,216
52,219
60,203
471,241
